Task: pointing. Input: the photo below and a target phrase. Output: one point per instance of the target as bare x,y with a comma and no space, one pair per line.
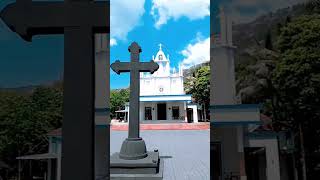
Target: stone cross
134,67
78,20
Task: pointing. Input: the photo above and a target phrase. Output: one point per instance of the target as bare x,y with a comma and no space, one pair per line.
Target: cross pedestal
134,161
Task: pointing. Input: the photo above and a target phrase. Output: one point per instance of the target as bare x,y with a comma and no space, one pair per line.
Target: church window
174,81
147,113
147,82
175,112
160,57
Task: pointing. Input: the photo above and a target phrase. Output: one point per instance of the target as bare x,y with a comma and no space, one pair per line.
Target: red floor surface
171,126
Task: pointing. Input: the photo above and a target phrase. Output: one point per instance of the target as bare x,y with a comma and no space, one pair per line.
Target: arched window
160,57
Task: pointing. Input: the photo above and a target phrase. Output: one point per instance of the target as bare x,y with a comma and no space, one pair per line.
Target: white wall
170,86
153,106
171,83
194,112
272,156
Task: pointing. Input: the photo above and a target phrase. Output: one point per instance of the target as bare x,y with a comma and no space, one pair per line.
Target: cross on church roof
160,46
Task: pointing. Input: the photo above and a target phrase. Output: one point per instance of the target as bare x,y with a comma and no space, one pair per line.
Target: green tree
199,87
118,98
297,80
25,120
48,101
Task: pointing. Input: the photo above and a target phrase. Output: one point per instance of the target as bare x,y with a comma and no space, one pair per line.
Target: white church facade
162,95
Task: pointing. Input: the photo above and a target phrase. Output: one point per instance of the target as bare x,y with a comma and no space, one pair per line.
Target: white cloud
125,15
243,11
197,52
163,10
113,42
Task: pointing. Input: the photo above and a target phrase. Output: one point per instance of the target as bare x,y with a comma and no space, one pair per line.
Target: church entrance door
147,113
256,163
190,115
162,111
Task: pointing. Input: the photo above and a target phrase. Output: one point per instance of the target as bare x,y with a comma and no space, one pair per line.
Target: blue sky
182,28
181,33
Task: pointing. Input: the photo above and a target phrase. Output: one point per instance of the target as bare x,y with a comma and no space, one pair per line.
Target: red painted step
169,126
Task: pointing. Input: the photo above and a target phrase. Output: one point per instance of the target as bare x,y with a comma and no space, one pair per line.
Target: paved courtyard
186,153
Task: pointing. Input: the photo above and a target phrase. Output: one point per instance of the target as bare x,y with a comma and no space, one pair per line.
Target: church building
162,95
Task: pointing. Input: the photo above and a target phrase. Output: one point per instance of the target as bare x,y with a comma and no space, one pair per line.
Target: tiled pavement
186,153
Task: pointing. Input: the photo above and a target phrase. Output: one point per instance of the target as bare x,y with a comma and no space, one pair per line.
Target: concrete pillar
154,117
169,111
102,113
223,77
59,167
181,109
223,92
195,113
272,157
240,140
141,111
185,111
128,114
49,161
49,167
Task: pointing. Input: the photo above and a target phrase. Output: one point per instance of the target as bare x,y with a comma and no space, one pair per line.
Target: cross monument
78,20
134,161
134,146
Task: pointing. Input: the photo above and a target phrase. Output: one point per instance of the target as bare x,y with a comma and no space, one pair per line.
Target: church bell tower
163,61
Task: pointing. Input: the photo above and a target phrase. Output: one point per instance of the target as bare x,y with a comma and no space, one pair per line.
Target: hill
250,37
30,88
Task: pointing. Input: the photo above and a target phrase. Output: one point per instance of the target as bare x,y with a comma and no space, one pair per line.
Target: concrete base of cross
148,168
133,148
